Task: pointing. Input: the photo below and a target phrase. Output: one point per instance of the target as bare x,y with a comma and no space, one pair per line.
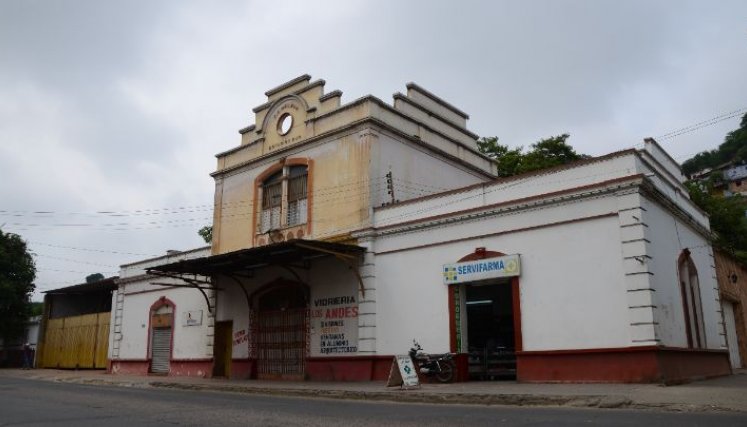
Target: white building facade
344,231
616,279
160,326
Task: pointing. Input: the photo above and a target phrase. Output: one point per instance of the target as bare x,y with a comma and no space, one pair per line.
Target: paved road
40,403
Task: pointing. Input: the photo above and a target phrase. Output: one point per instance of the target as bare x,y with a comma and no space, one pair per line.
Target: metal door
160,350
281,344
731,334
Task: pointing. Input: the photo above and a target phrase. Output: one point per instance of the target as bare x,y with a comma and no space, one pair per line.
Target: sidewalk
720,394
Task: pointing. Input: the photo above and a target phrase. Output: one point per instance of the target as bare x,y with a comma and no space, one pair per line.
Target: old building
74,330
161,325
732,282
343,231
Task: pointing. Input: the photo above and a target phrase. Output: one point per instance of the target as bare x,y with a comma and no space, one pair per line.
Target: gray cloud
119,107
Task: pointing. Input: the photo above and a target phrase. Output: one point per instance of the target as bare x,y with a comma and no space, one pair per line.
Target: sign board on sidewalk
403,373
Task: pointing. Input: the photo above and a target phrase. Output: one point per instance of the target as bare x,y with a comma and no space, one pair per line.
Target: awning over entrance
296,253
291,252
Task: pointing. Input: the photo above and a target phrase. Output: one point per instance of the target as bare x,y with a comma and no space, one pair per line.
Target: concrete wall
567,302
669,236
735,292
626,212
132,302
189,342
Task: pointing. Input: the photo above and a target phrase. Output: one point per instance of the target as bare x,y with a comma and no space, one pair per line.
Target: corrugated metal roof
291,251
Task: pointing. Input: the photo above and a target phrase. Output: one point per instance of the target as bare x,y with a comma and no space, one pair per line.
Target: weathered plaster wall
736,293
567,301
130,321
669,236
189,342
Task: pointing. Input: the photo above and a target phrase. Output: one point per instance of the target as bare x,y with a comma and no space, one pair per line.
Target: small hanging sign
403,373
192,318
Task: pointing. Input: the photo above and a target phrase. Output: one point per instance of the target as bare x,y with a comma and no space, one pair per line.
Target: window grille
297,200
294,193
272,201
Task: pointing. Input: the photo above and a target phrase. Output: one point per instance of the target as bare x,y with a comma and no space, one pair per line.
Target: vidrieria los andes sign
482,269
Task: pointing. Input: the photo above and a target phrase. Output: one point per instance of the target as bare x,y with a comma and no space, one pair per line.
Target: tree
206,233
17,274
37,308
95,277
506,159
733,149
727,217
543,154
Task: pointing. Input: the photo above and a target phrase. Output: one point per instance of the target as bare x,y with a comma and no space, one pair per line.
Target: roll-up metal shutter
160,350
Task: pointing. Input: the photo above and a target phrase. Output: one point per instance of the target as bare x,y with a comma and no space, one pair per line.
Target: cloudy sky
111,112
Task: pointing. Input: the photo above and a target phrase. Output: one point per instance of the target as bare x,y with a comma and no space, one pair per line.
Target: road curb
410,396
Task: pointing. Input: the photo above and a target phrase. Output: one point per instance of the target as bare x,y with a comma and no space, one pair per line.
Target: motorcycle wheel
447,372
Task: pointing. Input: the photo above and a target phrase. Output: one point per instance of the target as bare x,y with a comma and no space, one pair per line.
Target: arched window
284,199
691,303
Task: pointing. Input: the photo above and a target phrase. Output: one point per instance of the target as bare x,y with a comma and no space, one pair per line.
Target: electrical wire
701,125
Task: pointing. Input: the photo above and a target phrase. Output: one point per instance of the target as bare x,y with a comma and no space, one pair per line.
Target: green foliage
95,277
37,308
543,154
727,216
17,274
206,233
733,149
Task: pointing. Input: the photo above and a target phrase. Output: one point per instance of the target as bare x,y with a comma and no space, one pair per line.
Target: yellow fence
76,342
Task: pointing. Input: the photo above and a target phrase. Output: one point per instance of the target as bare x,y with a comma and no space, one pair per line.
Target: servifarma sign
483,269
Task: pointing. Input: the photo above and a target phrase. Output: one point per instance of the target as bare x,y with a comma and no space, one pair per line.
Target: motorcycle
439,365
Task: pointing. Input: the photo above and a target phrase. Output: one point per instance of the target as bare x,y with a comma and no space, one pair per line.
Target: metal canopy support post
294,273
353,268
243,289
174,285
192,283
289,255
345,258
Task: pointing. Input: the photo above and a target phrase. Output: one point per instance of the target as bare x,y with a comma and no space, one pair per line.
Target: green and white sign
489,268
402,373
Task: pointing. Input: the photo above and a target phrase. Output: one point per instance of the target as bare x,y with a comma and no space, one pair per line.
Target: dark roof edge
107,283
437,99
289,83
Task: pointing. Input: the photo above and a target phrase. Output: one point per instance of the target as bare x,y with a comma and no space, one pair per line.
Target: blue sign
490,268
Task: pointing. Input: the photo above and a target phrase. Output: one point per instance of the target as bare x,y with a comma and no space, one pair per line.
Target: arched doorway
281,330
691,301
485,323
161,330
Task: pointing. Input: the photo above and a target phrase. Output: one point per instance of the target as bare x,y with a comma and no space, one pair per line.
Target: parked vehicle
440,366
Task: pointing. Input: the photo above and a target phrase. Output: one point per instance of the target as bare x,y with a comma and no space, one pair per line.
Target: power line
77,272
332,189
91,250
73,260
701,125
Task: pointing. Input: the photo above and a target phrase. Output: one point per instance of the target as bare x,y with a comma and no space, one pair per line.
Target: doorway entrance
161,323
223,346
281,334
491,330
